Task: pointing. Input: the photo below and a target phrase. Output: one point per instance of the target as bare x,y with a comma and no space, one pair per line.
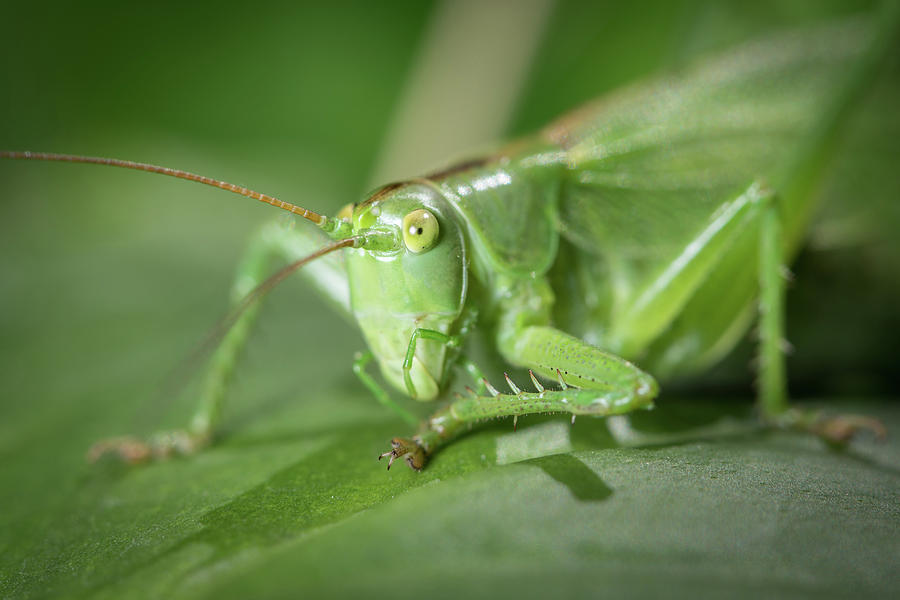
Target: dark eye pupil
419,231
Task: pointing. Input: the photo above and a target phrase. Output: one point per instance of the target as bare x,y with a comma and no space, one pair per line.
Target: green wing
652,167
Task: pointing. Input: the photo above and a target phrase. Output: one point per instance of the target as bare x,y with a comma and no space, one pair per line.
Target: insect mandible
648,228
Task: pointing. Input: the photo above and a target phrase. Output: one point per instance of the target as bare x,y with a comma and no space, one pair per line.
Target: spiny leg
773,393
400,446
460,414
273,240
592,382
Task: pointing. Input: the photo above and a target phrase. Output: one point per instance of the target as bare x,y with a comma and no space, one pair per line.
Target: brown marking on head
381,193
457,168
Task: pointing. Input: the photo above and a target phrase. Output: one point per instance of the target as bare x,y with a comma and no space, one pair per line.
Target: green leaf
107,279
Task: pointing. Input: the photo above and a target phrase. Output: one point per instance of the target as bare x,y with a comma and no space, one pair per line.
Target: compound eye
420,231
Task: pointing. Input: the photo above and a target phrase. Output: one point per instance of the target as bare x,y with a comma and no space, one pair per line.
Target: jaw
389,338
425,384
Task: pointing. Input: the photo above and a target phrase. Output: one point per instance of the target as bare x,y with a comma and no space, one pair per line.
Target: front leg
274,240
592,382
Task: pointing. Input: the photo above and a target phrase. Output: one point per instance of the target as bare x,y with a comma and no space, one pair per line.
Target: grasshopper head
414,279
406,266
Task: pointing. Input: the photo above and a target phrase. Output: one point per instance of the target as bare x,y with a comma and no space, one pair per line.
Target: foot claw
410,449
127,449
392,459
835,430
161,445
841,429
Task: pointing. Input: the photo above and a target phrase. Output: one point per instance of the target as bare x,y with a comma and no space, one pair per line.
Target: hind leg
772,392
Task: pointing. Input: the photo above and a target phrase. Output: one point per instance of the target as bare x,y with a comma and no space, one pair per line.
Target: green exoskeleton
649,228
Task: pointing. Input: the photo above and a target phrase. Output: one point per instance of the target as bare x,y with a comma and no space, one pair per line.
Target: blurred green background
110,278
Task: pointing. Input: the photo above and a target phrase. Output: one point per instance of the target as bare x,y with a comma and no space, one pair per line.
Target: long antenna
266,286
320,220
